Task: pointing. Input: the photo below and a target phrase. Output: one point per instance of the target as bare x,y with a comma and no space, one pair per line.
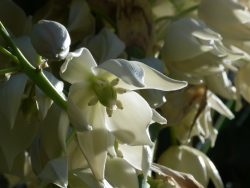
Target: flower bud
50,39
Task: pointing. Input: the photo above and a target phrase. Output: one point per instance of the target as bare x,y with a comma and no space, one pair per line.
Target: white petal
220,84
104,46
53,132
119,173
56,171
141,75
130,124
80,13
140,157
80,113
11,93
158,118
215,103
78,66
128,71
132,154
156,80
94,146
14,141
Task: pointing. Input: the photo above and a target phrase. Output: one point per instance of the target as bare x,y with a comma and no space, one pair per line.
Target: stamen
109,111
119,104
120,90
114,82
93,101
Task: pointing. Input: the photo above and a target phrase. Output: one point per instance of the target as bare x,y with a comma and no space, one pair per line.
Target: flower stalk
34,73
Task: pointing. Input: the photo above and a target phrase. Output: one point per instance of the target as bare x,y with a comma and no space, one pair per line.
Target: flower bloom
101,99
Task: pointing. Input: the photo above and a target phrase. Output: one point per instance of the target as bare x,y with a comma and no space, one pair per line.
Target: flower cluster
84,85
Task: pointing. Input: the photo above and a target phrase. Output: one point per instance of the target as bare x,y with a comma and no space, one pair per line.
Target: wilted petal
11,93
119,173
93,145
216,103
181,179
56,172
78,66
128,124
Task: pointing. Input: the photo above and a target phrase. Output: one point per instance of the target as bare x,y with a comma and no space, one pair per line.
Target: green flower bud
50,39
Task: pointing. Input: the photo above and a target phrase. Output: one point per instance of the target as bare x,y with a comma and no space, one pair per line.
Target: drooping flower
101,99
195,53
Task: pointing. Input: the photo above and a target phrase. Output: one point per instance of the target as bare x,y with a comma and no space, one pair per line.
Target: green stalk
32,72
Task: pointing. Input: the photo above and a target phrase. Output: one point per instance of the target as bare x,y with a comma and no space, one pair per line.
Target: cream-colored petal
56,172
141,76
53,132
14,141
94,145
140,157
78,109
105,45
119,173
158,118
11,93
220,84
78,66
216,103
79,13
130,124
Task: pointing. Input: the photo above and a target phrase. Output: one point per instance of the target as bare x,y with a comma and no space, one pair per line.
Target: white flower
190,160
100,96
195,53
101,99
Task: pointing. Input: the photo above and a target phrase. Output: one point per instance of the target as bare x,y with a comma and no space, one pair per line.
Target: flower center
106,94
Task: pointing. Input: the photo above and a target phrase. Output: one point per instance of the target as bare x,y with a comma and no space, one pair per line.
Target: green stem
33,73
9,54
9,70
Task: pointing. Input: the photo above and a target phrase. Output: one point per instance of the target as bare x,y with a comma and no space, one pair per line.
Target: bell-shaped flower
107,89
192,161
229,18
195,53
101,98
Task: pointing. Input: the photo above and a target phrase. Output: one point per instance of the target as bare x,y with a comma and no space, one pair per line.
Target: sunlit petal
78,66
130,124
